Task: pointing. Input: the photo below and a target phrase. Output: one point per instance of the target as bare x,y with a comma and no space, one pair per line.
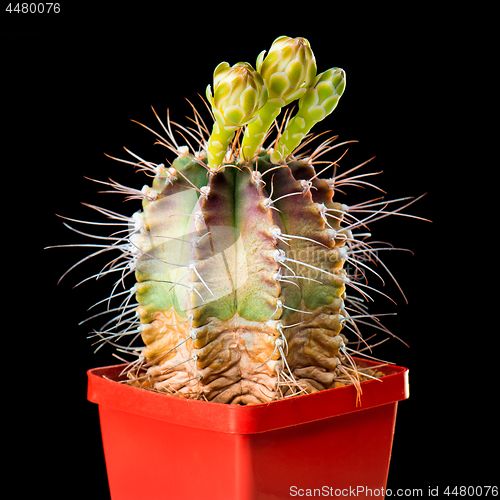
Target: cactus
239,251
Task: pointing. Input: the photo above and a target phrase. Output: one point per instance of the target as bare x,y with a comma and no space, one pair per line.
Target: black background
74,84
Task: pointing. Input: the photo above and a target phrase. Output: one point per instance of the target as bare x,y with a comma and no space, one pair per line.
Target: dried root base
247,392
314,379
232,361
242,362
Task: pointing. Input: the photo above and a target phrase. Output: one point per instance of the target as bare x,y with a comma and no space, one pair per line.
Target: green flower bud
320,99
288,69
239,92
323,96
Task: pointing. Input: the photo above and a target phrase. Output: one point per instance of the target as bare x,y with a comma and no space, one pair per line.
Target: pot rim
105,388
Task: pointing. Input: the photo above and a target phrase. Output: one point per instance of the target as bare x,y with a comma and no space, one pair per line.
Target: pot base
162,447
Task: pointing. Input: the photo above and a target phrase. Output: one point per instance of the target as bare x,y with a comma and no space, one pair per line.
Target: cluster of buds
243,95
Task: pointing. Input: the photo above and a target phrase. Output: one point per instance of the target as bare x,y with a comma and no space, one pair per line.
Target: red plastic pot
160,447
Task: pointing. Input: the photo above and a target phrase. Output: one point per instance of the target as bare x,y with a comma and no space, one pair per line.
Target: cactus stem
281,197
191,290
288,281
311,267
280,279
270,357
193,268
194,242
344,280
203,191
192,336
279,327
268,204
179,276
276,310
194,357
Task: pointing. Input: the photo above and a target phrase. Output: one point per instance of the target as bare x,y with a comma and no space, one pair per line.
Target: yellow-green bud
320,99
323,96
288,69
239,92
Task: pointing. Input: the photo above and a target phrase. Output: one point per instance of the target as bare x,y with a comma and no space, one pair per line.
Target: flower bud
323,95
239,92
320,99
288,69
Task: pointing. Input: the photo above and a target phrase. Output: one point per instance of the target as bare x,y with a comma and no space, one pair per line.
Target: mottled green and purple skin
239,250
242,271
240,276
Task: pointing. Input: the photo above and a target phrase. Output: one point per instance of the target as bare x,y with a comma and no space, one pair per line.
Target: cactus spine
239,250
